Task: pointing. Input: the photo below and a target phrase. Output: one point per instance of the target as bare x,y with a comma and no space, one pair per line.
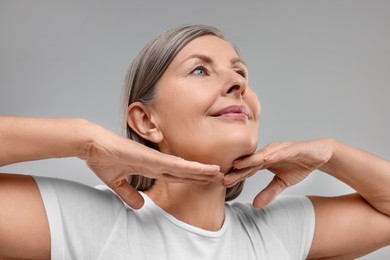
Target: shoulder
284,215
75,193
280,208
289,220
81,217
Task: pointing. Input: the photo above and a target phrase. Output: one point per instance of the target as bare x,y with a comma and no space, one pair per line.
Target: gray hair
143,74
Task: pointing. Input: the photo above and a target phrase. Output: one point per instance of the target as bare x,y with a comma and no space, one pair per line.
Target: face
204,107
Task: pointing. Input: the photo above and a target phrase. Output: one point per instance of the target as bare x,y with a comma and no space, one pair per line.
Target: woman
193,121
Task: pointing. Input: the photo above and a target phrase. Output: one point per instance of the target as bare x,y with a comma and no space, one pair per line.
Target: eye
200,71
241,72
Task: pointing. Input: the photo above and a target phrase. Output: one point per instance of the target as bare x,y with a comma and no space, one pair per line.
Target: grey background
320,69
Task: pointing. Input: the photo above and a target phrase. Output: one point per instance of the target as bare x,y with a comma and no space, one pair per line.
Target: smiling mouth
238,112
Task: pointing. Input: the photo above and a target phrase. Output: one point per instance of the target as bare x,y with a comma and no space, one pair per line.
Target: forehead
209,45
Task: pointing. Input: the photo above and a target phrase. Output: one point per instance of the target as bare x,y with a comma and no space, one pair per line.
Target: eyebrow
207,59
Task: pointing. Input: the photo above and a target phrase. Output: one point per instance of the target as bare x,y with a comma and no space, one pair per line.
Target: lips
234,112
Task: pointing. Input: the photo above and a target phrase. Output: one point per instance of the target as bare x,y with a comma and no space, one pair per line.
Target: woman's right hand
114,158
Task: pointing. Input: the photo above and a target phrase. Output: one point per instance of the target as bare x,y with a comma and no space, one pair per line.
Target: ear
142,121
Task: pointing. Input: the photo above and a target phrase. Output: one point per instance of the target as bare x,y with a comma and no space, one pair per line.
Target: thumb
129,195
269,193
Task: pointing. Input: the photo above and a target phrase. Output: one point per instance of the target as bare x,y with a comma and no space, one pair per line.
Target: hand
114,158
291,162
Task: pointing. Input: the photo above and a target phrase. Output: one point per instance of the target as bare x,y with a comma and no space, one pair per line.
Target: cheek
254,103
184,106
178,119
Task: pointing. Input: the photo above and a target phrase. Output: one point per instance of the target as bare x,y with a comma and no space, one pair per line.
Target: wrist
86,136
330,148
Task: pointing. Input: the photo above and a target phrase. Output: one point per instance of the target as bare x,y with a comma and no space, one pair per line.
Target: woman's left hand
291,162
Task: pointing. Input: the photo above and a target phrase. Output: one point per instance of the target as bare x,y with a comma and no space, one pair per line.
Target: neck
202,206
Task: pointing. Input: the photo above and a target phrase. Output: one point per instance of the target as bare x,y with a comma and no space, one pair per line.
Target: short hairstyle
141,83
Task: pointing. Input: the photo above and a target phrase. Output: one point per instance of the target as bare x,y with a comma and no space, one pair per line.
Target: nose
236,85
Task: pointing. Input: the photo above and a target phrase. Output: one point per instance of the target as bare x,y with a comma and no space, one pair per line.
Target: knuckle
282,183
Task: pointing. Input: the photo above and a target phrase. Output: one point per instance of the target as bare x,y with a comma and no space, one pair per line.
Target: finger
177,166
254,160
235,177
190,177
289,152
180,168
269,193
128,194
174,179
194,168
259,158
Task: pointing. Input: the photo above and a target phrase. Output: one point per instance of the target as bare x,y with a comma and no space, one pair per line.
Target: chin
243,150
243,143
225,152
220,149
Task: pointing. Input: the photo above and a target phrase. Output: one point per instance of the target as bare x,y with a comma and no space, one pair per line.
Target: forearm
30,138
368,174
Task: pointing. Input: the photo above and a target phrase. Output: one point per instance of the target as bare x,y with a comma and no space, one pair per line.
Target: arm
23,222
360,222
113,158
364,172
24,230
27,138
346,226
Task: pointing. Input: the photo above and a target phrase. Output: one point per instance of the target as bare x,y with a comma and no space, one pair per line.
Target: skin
199,153
203,80
196,134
